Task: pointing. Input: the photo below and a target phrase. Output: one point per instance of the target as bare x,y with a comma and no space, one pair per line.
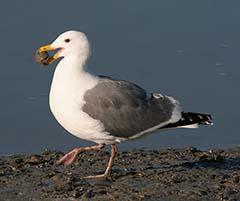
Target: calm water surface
187,49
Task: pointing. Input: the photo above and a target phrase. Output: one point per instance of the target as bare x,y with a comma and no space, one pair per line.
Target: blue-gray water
187,49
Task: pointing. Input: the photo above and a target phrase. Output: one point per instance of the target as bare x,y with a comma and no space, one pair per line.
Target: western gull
101,109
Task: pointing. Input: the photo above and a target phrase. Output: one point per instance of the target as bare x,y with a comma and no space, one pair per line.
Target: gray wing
124,108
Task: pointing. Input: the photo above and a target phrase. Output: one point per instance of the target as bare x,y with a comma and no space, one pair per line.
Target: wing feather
125,109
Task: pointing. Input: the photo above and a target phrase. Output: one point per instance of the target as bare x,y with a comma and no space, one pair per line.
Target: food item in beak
41,57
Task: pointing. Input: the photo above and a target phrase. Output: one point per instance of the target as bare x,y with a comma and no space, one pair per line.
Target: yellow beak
43,50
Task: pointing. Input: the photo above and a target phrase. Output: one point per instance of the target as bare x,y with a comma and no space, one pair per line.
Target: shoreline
167,174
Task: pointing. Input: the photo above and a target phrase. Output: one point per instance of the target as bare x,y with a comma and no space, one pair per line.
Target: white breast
66,100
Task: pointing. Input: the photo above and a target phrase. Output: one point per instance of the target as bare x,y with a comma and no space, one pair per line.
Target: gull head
68,44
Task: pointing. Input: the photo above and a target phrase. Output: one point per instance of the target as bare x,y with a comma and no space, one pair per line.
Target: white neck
74,63
72,69
71,81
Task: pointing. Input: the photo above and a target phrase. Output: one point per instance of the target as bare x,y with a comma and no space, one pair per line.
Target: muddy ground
186,174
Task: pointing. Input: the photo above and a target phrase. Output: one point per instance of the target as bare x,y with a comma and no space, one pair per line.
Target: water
187,49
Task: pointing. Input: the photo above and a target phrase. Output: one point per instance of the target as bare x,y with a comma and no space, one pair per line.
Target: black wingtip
190,118
207,119
198,118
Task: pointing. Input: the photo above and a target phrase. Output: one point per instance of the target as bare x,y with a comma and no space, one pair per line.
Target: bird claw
67,159
100,176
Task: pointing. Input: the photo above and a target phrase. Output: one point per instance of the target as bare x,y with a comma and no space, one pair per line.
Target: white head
72,43
69,44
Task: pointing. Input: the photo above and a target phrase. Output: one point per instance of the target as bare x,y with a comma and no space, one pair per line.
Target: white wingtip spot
208,123
200,116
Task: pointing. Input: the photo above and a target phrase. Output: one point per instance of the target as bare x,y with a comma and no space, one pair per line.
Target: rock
35,160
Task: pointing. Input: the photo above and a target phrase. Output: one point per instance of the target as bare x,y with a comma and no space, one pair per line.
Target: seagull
101,109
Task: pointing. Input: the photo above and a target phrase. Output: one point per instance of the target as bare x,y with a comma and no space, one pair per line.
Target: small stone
18,160
228,192
76,194
236,179
35,160
90,194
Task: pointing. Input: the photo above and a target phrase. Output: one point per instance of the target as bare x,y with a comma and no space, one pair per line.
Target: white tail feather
189,126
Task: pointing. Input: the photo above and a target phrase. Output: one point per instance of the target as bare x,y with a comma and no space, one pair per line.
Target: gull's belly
67,111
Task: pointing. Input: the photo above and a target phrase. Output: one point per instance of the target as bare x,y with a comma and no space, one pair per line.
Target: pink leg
68,158
109,165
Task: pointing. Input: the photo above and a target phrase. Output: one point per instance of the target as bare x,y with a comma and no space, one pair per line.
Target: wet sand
185,174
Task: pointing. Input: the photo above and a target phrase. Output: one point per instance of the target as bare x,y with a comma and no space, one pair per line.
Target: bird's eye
67,40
